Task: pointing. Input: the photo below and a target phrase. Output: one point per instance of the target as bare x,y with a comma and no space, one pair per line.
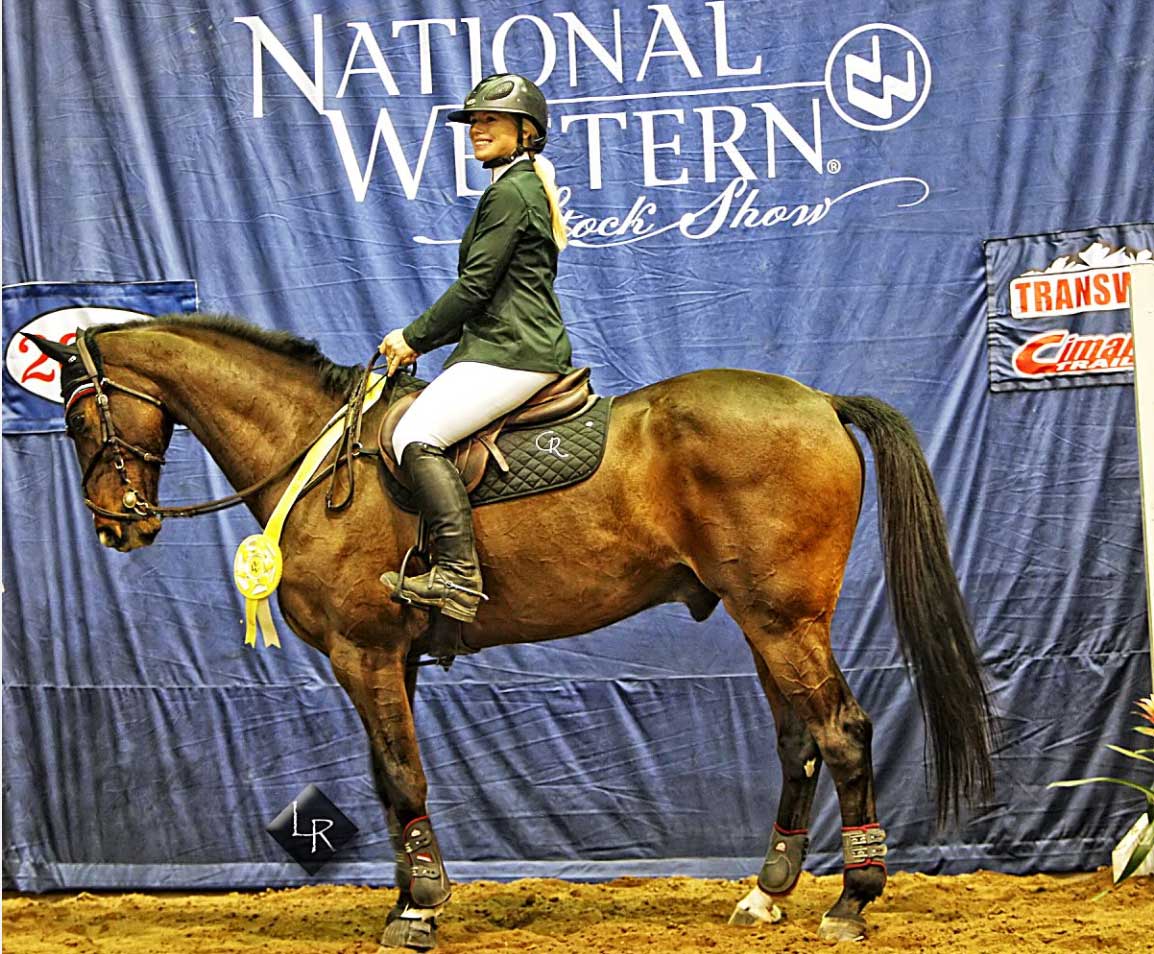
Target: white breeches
462,399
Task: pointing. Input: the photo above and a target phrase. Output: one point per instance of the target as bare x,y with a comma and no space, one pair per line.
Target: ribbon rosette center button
257,567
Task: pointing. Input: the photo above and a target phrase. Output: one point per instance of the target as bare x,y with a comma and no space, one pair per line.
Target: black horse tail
933,626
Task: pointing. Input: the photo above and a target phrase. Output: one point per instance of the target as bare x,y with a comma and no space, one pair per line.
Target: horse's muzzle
128,536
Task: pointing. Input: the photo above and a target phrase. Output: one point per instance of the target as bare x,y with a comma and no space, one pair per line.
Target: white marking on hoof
420,914
757,907
810,768
841,929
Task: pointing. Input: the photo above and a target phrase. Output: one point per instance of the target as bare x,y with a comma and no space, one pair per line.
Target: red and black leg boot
863,879
428,882
424,887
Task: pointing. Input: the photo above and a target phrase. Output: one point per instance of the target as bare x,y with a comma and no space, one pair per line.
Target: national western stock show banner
791,187
674,110
310,142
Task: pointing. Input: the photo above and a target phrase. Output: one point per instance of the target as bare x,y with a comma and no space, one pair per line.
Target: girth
565,397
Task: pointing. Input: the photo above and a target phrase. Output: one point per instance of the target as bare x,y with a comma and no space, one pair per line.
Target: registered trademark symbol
833,166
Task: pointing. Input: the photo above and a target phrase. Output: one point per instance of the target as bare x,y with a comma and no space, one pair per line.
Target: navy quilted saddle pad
542,457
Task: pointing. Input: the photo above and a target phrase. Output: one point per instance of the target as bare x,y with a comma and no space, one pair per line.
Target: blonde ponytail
548,176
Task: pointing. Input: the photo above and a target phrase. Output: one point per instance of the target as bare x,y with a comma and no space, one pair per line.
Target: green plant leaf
1130,753
1144,729
1138,855
1075,782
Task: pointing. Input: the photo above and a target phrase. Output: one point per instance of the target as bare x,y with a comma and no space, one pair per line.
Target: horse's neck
252,409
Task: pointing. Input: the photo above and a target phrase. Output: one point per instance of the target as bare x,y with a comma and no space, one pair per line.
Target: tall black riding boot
453,585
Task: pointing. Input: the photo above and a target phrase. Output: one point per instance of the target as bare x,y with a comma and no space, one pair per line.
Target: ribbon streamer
257,566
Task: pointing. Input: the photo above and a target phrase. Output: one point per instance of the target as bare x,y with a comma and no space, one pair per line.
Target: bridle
136,506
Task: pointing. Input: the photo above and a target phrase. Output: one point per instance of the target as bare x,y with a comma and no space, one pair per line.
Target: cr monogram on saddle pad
553,440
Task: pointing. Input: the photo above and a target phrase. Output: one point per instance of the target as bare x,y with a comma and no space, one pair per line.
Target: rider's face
494,135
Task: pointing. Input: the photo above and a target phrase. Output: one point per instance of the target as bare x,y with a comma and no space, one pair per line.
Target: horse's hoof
757,907
410,933
842,929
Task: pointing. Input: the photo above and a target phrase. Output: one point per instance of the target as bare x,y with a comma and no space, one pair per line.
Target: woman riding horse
503,311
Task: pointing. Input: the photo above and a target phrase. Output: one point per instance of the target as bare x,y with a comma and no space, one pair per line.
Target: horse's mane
337,379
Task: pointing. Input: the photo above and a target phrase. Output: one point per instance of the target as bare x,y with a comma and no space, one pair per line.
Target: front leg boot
428,885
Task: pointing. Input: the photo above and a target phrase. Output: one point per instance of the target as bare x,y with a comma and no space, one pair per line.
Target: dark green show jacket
502,307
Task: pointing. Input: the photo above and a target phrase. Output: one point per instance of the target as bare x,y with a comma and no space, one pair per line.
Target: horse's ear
54,350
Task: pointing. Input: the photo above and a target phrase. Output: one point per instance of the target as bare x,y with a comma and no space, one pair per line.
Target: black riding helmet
512,94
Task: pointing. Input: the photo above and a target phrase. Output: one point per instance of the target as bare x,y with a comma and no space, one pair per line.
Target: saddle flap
393,414
471,457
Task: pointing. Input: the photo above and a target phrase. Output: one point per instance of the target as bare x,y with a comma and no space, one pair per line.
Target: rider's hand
397,350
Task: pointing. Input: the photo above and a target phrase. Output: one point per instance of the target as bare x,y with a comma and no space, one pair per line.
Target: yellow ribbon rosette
257,566
256,570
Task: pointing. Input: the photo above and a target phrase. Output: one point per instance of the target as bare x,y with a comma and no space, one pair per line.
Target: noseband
136,505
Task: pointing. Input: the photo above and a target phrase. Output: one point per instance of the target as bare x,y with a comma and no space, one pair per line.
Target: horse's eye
76,423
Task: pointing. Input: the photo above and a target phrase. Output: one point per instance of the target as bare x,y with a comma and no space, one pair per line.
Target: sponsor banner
1058,307
57,310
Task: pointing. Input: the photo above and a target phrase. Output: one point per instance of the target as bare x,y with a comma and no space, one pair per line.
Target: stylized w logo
892,86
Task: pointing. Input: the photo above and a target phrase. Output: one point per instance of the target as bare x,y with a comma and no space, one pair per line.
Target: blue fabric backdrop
143,746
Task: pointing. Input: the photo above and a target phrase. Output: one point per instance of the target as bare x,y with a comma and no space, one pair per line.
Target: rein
350,446
137,507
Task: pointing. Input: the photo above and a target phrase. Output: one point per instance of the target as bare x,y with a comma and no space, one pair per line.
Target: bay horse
717,486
